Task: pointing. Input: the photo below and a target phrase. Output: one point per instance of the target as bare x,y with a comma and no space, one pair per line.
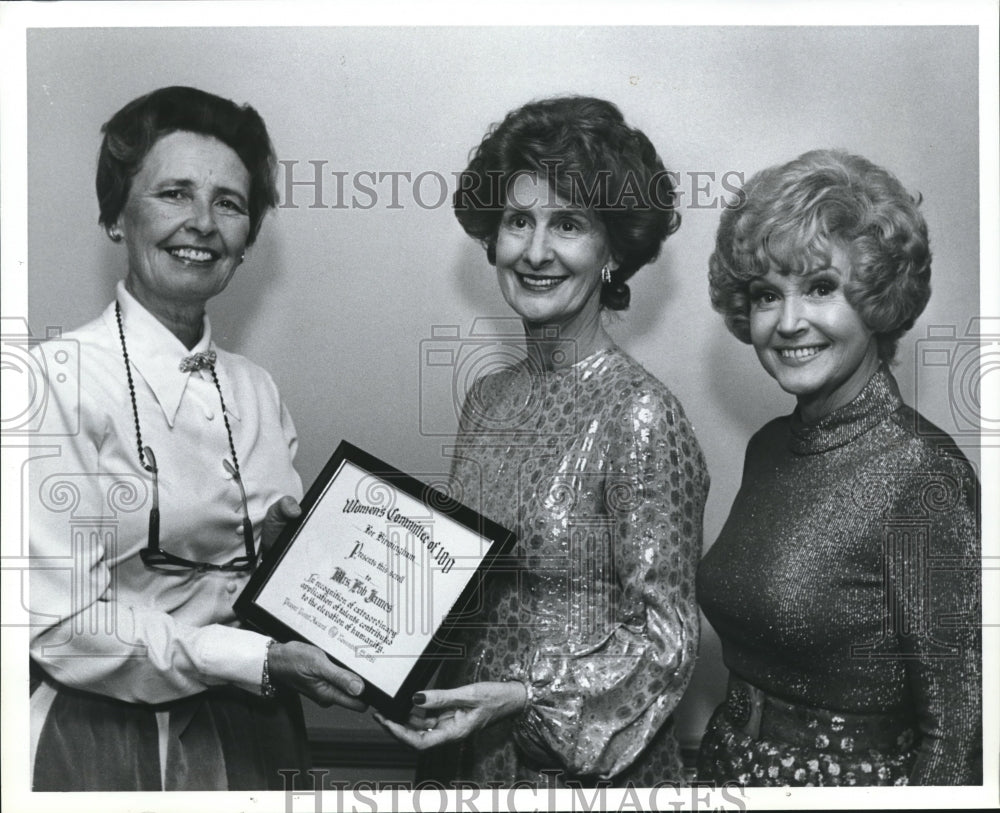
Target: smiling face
185,222
810,339
549,257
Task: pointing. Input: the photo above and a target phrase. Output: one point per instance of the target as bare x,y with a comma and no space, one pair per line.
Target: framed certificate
374,573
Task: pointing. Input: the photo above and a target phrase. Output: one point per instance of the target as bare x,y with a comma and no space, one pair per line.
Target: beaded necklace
135,410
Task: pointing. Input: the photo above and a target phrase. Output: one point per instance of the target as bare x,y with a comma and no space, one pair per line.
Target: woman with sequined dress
172,467
589,634
845,584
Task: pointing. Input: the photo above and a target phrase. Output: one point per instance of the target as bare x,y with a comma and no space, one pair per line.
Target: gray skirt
223,739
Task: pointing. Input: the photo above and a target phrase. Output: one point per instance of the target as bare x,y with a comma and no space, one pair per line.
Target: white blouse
102,621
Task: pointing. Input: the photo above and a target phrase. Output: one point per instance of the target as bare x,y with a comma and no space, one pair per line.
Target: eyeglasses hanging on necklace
153,556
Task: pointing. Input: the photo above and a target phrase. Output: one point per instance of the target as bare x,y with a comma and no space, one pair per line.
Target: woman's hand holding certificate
454,714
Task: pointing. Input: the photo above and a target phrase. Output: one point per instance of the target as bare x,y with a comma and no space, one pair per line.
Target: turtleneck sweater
848,574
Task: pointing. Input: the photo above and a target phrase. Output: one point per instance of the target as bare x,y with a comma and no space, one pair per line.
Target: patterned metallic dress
845,587
597,470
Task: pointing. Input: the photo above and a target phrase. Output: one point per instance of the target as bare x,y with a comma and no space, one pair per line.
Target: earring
606,274
114,233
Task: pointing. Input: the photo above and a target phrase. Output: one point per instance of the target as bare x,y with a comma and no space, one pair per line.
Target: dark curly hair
793,215
587,153
132,131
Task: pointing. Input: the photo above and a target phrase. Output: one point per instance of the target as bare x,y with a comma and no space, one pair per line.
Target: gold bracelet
266,688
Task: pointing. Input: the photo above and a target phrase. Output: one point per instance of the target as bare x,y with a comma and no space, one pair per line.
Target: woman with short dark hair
132,132
142,679
592,159
588,634
845,583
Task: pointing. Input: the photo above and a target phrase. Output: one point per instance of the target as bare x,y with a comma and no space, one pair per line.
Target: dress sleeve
81,633
938,589
593,708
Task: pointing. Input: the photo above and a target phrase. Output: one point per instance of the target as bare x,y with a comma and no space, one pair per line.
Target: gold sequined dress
597,470
846,585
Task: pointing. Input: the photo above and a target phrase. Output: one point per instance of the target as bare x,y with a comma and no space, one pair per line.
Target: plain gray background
341,305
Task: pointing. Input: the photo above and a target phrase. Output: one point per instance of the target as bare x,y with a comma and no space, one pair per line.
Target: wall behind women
345,292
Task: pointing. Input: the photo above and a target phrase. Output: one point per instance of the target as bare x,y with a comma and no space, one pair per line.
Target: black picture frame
263,604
